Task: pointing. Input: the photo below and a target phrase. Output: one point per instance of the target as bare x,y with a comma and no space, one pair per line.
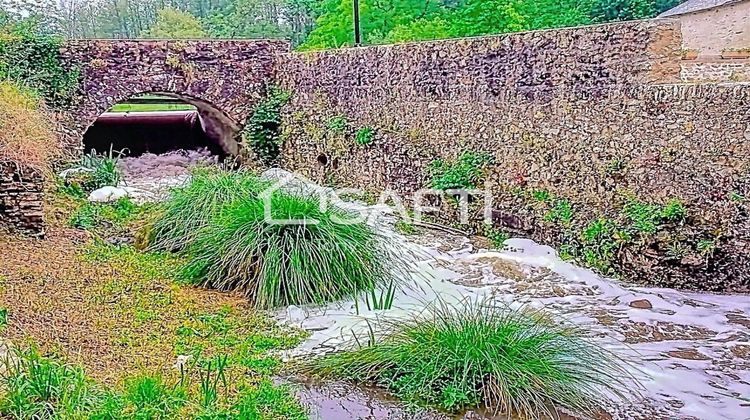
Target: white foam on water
689,350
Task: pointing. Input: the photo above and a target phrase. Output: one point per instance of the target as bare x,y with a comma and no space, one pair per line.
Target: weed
381,300
338,124
37,387
104,171
736,197
92,215
646,218
464,173
706,247
599,244
541,196
405,227
561,212
677,250
209,385
262,129
267,400
317,259
496,236
3,318
673,211
615,166
190,209
454,357
148,397
364,136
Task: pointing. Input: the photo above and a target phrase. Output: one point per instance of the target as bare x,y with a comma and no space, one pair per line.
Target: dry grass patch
26,134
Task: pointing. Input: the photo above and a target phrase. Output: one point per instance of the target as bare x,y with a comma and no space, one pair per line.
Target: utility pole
357,29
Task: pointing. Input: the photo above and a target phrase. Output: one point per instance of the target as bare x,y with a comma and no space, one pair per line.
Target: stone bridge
224,79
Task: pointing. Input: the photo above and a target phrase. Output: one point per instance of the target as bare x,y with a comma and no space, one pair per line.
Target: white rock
107,194
295,314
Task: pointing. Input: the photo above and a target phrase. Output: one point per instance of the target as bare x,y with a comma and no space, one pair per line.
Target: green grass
365,136
466,172
190,209
105,171
319,260
90,216
497,237
151,107
510,361
37,387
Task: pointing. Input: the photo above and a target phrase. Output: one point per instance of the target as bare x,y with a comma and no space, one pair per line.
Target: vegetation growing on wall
262,129
513,362
30,56
466,172
26,135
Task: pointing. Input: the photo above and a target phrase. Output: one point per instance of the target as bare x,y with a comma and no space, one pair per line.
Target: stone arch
224,79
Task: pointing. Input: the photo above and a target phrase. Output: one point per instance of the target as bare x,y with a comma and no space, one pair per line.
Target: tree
175,24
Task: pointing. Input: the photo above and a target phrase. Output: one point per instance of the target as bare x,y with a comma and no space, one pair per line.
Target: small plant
148,397
3,318
338,124
737,197
405,227
465,173
561,212
646,218
103,171
381,300
541,196
599,243
365,136
262,129
38,387
317,258
92,215
496,236
673,211
615,166
209,385
517,362
706,247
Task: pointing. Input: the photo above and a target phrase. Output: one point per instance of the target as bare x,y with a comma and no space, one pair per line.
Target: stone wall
224,79
21,198
589,116
716,71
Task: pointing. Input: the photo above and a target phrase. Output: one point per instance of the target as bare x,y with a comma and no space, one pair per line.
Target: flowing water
690,351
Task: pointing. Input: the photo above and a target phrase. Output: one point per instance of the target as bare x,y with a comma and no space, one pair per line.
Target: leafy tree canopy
175,24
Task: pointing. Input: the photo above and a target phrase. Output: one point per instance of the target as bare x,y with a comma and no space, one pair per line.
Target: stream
690,351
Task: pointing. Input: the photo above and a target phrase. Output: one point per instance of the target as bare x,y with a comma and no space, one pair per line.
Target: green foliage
512,361
261,131
148,397
338,124
102,172
599,244
405,227
267,401
646,218
496,236
365,136
93,215
175,24
561,212
466,172
37,387
315,259
3,318
191,208
541,196
30,55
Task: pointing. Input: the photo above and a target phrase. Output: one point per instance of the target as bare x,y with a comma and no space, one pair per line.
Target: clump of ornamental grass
516,362
189,209
291,252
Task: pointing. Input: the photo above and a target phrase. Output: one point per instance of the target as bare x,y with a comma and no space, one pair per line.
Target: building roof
692,6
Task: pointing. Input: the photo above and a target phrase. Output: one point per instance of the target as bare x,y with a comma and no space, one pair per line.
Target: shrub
261,132
93,215
148,397
464,173
338,124
25,133
365,136
104,171
512,361
189,209
318,260
30,55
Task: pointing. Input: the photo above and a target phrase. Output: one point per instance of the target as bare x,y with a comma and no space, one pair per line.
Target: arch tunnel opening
161,123
158,138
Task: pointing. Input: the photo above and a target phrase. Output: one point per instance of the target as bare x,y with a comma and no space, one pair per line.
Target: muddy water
689,351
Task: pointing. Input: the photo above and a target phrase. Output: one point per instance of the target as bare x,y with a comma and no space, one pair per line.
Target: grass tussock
221,224
316,261
511,361
26,135
190,209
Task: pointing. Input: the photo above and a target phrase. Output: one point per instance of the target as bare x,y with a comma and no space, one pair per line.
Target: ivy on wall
31,57
263,128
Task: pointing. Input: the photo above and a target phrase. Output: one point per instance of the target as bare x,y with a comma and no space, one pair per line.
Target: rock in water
107,194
